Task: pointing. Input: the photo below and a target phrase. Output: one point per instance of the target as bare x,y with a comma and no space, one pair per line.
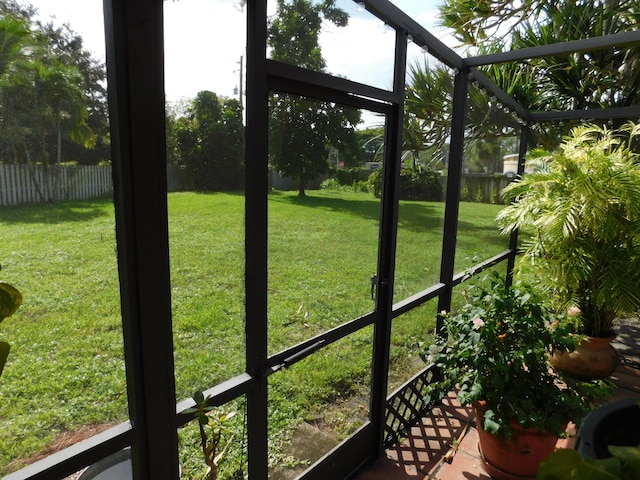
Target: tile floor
422,454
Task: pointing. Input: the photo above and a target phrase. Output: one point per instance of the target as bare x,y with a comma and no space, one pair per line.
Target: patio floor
422,454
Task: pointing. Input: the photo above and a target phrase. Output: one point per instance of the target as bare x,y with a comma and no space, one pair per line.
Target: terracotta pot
594,358
517,457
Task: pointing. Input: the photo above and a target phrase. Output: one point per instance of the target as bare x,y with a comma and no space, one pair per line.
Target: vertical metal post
513,239
136,107
387,249
257,142
454,176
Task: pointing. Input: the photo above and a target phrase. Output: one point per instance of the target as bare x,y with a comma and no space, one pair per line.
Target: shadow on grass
62,212
414,216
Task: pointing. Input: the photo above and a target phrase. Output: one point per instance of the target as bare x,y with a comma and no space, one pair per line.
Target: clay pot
595,358
517,457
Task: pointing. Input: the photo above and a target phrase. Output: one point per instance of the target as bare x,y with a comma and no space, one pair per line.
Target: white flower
477,323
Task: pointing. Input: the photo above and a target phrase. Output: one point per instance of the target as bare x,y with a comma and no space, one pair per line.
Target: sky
204,41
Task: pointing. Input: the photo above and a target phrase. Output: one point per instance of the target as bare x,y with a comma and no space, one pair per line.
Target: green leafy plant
10,301
496,350
414,184
214,426
582,208
568,464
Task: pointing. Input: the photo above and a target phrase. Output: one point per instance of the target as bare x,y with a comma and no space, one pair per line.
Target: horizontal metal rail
631,112
76,457
560,48
393,16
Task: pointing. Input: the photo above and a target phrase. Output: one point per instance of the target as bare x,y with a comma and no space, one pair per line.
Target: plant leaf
4,353
10,300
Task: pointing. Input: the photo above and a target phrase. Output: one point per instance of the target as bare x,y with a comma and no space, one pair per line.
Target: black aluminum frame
136,98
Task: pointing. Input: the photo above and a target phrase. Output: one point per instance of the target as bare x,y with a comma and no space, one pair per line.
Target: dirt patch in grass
65,439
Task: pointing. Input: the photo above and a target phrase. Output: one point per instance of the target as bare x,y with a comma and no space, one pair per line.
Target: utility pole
240,82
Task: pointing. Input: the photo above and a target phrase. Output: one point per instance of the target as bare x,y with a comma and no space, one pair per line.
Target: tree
303,129
51,94
210,142
428,107
371,143
583,80
67,47
428,102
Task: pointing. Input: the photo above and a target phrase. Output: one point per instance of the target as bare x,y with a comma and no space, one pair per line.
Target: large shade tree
302,129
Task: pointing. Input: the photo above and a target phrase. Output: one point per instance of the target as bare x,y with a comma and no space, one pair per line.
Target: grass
66,369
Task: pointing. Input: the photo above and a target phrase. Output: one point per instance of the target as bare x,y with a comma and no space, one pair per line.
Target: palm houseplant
495,352
580,213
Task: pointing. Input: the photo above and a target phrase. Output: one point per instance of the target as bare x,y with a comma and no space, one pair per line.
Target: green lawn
66,370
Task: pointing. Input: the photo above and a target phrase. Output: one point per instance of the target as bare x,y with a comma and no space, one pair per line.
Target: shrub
375,183
414,185
330,184
348,176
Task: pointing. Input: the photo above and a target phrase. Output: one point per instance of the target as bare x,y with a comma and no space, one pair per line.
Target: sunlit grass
66,367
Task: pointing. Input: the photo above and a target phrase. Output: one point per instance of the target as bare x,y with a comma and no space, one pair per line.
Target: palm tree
40,98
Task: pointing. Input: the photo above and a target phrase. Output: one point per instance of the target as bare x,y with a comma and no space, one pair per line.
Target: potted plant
607,446
580,211
496,350
566,464
10,301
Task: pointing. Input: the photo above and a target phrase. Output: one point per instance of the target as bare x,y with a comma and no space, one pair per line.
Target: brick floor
421,455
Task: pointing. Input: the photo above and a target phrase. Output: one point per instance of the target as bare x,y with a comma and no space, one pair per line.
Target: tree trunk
32,174
212,474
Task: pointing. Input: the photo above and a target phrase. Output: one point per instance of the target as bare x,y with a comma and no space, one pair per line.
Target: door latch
375,282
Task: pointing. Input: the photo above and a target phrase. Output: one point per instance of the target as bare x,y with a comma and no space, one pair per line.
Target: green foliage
213,423
348,176
582,208
429,101
479,197
375,182
565,464
371,143
494,196
465,194
331,184
420,185
600,78
52,89
210,142
68,48
301,129
414,185
496,349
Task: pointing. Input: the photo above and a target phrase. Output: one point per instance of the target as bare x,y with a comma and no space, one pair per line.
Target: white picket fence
23,184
